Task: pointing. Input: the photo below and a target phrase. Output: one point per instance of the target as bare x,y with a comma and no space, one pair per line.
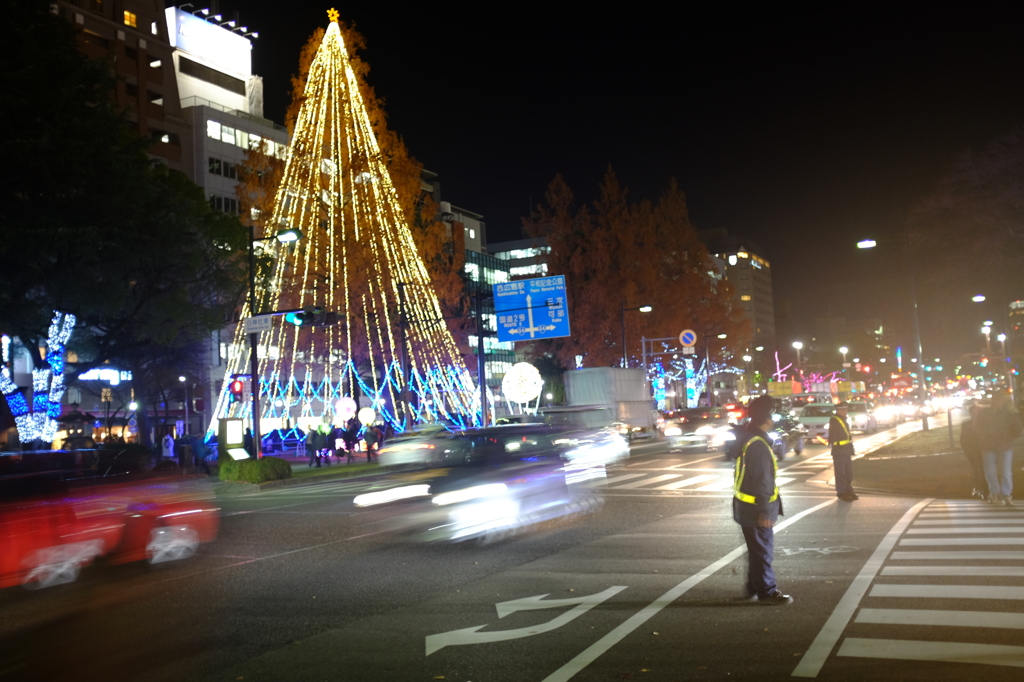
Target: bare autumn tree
619,255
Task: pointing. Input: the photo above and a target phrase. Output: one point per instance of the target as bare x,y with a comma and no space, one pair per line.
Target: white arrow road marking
471,636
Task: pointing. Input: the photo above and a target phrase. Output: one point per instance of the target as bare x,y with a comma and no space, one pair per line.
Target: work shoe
848,497
995,499
775,598
1008,501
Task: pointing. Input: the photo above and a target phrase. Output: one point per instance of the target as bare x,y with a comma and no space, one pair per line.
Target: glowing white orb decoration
345,407
367,416
522,383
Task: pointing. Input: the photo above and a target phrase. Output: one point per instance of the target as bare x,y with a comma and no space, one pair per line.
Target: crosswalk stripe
961,541
676,485
950,652
648,481
1009,555
1006,571
623,477
947,591
966,529
723,483
969,619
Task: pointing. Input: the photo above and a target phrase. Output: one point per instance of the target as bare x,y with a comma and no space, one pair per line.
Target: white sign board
254,325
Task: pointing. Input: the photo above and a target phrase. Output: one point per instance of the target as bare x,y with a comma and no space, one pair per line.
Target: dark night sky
803,132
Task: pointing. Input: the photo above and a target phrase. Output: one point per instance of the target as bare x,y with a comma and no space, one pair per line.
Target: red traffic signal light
236,390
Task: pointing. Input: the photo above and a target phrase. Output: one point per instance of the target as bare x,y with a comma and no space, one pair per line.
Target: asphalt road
302,585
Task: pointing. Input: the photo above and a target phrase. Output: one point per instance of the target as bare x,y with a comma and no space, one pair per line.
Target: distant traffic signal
312,317
237,387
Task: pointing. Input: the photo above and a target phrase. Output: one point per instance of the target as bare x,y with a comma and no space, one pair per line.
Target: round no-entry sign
688,338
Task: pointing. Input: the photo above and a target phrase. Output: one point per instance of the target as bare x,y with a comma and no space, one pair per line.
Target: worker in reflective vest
756,504
842,453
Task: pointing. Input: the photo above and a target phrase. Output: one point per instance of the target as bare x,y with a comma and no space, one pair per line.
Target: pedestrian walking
842,453
970,442
998,427
314,443
199,454
351,438
168,446
371,438
757,505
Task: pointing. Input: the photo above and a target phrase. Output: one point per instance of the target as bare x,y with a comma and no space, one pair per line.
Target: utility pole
480,362
254,340
403,323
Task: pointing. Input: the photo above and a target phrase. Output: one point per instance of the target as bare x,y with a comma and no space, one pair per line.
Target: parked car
787,435
51,527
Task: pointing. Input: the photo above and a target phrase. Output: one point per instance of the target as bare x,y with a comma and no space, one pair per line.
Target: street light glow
759,349
292,235
866,244
1001,337
747,358
988,323
844,350
645,308
978,299
181,378
798,345
721,336
986,330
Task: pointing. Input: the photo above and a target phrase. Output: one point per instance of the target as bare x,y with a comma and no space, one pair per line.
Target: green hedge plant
254,470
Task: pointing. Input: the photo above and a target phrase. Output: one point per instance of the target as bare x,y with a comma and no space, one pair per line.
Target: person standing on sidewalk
756,504
970,442
842,453
998,427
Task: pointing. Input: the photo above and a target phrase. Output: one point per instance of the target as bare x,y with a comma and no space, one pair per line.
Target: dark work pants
760,549
977,470
842,462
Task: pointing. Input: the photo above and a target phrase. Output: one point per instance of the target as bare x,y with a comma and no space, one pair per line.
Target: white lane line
1009,555
676,485
961,541
623,477
956,619
964,522
648,481
1009,571
967,516
783,480
966,529
815,657
947,652
948,591
595,650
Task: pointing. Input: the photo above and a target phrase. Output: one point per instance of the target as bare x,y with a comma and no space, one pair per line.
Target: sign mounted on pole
531,309
688,338
261,323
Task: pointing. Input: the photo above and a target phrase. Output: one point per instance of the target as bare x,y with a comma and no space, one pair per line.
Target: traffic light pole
254,339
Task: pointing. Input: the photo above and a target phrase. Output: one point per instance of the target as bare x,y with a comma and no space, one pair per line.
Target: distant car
815,417
787,435
702,428
888,416
861,418
51,528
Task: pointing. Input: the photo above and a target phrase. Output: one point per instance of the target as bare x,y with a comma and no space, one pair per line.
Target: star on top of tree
332,15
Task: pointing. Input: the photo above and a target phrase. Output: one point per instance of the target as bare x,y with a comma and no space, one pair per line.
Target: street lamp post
749,380
184,382
844,350
285,237
641,308
922,389
799,346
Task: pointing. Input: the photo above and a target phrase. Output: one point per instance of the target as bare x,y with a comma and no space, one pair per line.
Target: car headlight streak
467,494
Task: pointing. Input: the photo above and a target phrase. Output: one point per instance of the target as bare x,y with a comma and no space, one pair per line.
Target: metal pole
402,324
623,337
254,339
922,390
186,407
949,423
480,362
707,371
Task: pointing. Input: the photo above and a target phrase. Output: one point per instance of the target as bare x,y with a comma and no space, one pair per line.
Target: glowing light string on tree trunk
356,250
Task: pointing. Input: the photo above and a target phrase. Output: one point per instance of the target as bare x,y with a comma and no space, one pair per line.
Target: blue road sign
531,309
688,338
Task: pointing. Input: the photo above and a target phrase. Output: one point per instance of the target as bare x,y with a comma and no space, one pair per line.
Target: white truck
621,394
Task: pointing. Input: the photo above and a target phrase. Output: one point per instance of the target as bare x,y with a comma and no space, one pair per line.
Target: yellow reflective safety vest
846,428
741,470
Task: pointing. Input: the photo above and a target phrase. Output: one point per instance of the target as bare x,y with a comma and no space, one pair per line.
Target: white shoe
995,499
1007,501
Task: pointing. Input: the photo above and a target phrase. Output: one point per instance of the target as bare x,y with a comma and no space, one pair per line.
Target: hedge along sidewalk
302,475
923,464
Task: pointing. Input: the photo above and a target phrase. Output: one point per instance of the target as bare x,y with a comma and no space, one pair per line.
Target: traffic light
237,387
312,317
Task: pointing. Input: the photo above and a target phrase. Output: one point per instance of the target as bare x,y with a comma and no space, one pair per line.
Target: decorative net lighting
356,249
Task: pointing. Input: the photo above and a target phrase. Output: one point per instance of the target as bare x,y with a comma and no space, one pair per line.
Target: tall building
526,257
743,264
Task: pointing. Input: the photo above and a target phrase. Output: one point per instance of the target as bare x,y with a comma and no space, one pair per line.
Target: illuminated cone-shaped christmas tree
356,258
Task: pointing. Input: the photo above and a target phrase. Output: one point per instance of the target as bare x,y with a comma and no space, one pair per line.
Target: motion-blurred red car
51,528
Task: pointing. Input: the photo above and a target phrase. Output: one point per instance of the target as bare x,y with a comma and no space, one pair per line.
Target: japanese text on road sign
530,309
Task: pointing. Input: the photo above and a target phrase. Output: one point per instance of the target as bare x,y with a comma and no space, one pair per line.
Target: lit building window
213,129
153,28
130,19
472,233
473,270
227,134
744,298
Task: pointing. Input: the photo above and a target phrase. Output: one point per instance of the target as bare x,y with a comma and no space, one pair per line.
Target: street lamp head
645,308
988,323
986,330
290,235
798,345
979,298
759,349
747,358
133,406
722,336
1001,337
844,350
866,244
182,378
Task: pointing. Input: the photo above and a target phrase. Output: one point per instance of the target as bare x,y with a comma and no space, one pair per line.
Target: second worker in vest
756,503
842,453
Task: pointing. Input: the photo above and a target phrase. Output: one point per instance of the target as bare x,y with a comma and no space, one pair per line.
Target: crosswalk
954,581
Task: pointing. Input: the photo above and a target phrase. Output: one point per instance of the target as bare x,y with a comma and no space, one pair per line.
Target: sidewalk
922,463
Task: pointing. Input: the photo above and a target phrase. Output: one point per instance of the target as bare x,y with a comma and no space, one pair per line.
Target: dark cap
760,410
843,405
